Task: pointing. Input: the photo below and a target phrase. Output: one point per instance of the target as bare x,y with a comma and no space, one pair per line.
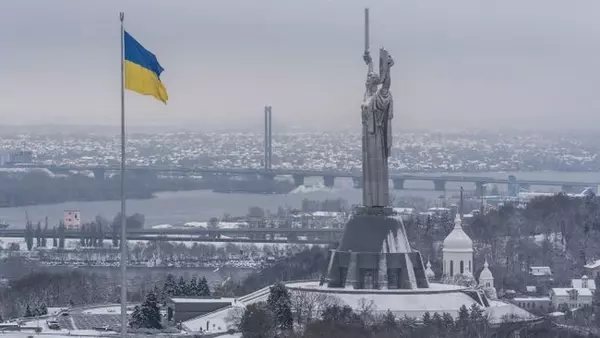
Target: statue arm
369,61
385,75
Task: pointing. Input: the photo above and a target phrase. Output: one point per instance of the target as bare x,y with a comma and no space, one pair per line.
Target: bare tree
307,305
234,316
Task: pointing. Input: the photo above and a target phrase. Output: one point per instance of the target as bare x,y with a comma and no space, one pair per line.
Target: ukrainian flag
142,70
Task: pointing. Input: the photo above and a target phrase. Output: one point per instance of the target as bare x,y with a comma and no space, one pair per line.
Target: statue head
373,79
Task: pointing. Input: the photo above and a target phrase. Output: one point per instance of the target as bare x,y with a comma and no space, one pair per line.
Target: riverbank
201,205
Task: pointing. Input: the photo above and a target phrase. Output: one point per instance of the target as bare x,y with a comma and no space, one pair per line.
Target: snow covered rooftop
579,283
593,265
565,291
531,299
202,300
413,303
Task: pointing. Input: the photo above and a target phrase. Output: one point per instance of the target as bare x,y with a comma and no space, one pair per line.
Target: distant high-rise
268,138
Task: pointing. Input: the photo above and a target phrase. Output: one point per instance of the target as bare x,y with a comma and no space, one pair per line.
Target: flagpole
124,322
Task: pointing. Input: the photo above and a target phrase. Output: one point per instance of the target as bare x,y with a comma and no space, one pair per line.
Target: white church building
457,256
457,252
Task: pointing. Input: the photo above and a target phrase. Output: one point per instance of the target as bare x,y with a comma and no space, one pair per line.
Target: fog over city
459,64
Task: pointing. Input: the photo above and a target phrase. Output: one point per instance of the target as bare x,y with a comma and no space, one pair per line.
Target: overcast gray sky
473,63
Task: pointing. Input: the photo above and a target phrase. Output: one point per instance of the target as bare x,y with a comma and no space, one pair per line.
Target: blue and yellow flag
142,70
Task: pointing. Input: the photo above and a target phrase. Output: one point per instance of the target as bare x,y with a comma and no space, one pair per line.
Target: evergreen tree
389,321
151,311
147,315
596,302
61,235
427,327
29,235
181,287
256,322
170,286
54,239
477,320
82,232
438,324
280,304
45,233
193,290
43,310
115,235
38,234
462,322
137,318
203,288
28,312
596,296
100,240
160,295
448,322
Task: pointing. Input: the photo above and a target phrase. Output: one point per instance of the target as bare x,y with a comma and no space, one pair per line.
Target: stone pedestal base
375,253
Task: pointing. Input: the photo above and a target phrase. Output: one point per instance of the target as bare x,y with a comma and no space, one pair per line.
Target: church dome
429,272
486,273
458,240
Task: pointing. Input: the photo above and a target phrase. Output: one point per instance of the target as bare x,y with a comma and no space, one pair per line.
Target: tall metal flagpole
124,322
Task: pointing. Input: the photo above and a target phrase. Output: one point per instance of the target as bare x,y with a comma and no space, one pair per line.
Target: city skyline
459,65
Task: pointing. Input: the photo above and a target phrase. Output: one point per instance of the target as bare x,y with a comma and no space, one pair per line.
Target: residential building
572,297
533,304
593,269
584,283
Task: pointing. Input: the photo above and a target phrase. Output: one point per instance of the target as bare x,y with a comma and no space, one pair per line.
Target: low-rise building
542,275
180,309
533,304
539,271
572,297
593,269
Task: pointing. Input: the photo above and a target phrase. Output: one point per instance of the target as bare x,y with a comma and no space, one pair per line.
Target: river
200,205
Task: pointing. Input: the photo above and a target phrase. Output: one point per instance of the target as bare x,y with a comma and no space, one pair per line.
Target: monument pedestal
375,253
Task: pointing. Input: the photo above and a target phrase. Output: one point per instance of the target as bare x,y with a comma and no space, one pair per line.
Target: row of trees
37,311
557,231
56,290
91,234
191,288
38,187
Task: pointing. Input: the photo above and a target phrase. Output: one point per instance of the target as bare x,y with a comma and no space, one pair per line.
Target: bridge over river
398,178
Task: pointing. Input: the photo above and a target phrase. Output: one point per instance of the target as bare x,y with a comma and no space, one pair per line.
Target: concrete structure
457,252
180,309
268,138
572,297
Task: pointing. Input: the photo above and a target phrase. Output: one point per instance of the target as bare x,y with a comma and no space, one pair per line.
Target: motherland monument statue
374,252
377,114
